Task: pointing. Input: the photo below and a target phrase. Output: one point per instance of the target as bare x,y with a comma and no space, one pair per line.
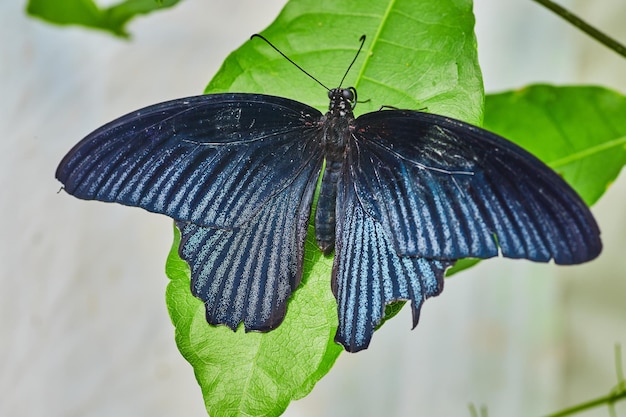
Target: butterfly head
342,101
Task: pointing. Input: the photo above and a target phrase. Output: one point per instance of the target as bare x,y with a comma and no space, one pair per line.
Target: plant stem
585,27
607,399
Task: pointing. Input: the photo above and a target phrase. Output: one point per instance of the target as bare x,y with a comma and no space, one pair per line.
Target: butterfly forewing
213,160
444,189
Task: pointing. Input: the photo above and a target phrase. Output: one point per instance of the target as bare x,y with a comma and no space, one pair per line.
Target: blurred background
84,329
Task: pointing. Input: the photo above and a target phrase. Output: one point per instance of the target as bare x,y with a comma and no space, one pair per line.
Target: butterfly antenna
362,40
256,35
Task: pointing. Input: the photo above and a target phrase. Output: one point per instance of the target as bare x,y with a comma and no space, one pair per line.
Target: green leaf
578,131
417,55
461,265
87,13
256,374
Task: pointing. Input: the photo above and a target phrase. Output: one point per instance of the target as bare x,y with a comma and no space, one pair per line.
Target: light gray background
84,329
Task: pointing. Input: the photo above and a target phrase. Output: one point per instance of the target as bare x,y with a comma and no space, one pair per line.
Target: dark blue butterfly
403,195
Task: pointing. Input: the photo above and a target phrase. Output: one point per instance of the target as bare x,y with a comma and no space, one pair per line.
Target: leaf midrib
587,152
368,52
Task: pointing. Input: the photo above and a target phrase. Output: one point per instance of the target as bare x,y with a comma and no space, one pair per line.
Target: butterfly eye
347,94
330,93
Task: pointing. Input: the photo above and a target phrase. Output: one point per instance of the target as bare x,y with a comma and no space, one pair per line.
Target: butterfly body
403,195
337,126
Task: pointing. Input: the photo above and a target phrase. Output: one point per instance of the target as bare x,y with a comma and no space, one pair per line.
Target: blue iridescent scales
407,194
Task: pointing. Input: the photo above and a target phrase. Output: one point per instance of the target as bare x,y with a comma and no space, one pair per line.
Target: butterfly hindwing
247,273
444,189
213,160
368,274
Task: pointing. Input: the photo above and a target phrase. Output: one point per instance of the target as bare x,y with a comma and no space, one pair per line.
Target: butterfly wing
368,274
236,171
419,191
212,160
246,274
443,189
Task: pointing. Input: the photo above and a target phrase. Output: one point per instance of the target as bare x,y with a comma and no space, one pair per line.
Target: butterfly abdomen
325,216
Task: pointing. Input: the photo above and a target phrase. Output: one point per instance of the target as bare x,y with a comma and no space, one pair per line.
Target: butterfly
403,195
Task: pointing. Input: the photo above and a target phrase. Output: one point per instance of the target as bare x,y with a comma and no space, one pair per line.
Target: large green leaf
578,131
87,13
256,374
417,55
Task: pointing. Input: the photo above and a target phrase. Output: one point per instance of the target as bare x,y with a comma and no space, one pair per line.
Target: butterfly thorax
337,127
338,122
